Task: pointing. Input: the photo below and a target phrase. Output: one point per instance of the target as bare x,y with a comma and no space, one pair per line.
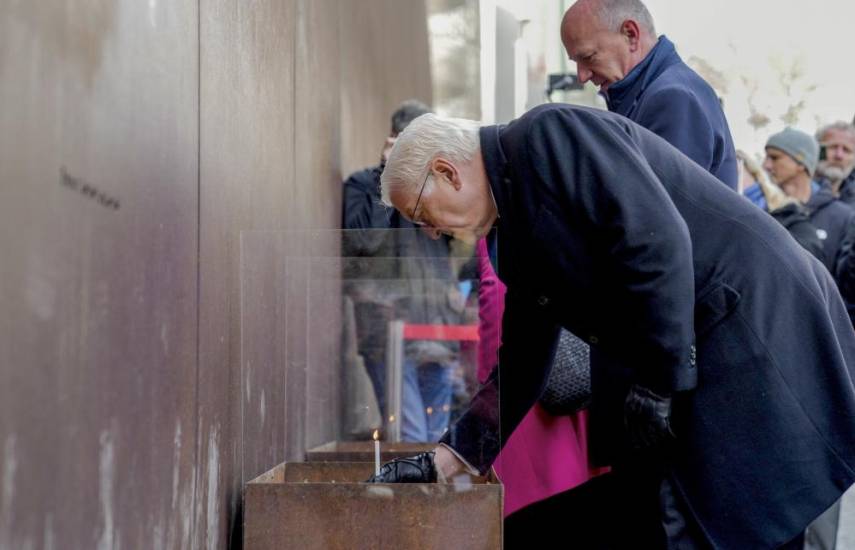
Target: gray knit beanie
802,147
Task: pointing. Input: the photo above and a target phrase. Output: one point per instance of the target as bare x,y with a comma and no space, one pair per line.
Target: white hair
840,126
612,14
426,138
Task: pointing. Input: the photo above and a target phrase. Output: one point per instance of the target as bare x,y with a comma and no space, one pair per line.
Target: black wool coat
608,231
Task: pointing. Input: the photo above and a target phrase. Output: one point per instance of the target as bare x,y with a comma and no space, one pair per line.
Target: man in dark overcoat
734,346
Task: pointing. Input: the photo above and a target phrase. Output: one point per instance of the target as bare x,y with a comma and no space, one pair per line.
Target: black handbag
568,389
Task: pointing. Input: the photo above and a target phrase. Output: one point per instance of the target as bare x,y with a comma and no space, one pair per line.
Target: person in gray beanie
791,160
799,146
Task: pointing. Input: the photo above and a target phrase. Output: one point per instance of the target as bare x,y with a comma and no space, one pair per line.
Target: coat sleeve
597,172
491,305
677,116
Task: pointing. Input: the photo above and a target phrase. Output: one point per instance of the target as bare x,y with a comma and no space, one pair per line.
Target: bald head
610,14
607,38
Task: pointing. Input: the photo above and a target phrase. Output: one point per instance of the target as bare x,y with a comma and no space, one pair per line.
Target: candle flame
376,435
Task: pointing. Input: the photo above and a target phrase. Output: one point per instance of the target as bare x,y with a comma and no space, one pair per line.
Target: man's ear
631,31
448,172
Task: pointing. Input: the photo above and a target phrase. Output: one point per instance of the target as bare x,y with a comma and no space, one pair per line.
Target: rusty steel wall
385,57
137,141
98,269
246,163
295,95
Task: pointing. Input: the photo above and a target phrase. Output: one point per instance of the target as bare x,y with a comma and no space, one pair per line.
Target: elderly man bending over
728,392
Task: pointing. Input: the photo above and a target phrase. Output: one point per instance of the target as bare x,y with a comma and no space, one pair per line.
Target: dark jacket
361,204
606,230
365,220
832,218
845,269
836,220
667,97
847,189
367,223
796,220
391,270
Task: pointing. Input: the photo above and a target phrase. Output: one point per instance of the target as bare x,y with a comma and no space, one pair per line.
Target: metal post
394,380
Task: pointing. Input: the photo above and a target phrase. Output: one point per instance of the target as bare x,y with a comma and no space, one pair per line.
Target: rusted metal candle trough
328,506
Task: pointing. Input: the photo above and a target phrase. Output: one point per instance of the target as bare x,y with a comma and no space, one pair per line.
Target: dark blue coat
367,222
667,97
386,261
833,218
847,189
611,233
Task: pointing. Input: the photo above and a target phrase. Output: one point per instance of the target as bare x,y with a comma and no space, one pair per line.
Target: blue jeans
425,400
430,409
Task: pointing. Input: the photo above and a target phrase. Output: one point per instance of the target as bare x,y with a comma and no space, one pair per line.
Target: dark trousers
624,509
610,512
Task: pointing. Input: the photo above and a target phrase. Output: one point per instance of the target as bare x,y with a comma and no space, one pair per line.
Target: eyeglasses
418,200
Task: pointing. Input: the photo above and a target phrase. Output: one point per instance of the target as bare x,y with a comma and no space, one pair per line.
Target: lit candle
376,453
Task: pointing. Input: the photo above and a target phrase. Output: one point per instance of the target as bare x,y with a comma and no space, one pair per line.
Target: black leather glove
412,469
647,416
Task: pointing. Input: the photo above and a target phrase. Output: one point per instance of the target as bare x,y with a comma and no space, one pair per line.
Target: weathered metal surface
317,119
263,350
326,506
247,140
137,141
363,451
98,244
384,56
272,140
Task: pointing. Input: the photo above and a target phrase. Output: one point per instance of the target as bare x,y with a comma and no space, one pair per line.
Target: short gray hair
407,112
612,14
841,126
426,138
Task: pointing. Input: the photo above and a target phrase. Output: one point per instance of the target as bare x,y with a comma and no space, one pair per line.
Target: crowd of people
716,296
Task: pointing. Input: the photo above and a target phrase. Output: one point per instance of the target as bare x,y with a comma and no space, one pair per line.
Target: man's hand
437,465
412,469
647,416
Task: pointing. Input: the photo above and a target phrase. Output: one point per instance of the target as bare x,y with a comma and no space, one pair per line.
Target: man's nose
431,232
583,73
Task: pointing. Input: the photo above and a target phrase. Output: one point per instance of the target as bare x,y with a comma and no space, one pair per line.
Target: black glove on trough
412,469
647,416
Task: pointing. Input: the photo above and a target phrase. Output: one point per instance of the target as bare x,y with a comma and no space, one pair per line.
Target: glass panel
383,337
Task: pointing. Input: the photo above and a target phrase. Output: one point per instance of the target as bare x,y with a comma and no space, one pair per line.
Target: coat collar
847,186
496,165
623,95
